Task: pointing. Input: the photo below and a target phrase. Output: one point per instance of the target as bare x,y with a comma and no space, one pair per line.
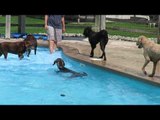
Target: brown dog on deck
32,44
151,53
19,48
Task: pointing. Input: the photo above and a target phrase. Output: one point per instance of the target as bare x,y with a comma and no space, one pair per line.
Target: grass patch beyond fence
73,27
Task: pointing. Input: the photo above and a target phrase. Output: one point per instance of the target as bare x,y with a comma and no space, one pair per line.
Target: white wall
126,16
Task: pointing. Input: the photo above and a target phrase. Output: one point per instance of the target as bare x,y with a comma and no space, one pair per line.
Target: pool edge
74,54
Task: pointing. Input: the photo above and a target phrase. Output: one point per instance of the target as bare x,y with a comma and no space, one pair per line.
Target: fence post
97,23
102,22
8,27
21,24
78,20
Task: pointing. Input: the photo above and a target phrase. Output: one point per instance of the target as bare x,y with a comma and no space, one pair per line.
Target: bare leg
51,35
55,42
51,46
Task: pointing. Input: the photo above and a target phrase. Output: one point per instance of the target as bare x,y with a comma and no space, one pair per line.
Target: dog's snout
136,43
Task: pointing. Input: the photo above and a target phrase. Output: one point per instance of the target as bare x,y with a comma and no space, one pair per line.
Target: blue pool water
35,81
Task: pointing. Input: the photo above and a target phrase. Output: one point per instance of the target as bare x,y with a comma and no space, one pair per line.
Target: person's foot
52,51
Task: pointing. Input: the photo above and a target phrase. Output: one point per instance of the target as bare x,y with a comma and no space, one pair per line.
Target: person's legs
51,46
58,36
51,37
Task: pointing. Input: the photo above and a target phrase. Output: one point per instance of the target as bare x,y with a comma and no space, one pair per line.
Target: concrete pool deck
122,56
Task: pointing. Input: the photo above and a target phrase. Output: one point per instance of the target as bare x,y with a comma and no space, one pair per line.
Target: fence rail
29,25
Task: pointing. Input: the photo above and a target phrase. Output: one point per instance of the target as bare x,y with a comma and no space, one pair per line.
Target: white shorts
54,34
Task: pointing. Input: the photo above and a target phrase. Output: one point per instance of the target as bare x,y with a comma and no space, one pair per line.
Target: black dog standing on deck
60,64
96,37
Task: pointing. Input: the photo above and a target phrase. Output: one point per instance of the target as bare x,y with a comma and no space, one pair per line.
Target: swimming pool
35,81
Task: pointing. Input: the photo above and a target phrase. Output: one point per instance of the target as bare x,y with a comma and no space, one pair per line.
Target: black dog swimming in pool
95,38
60,64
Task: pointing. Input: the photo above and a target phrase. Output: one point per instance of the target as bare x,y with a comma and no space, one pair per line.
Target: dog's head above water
31,40
60,63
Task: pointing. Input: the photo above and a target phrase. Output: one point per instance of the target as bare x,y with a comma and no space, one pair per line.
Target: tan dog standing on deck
151,53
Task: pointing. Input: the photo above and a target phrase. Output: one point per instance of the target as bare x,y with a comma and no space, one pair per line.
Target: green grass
14,19
35,30
130,34
73,27
28,30
131,26
28,20
13,29
128,25
77,28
